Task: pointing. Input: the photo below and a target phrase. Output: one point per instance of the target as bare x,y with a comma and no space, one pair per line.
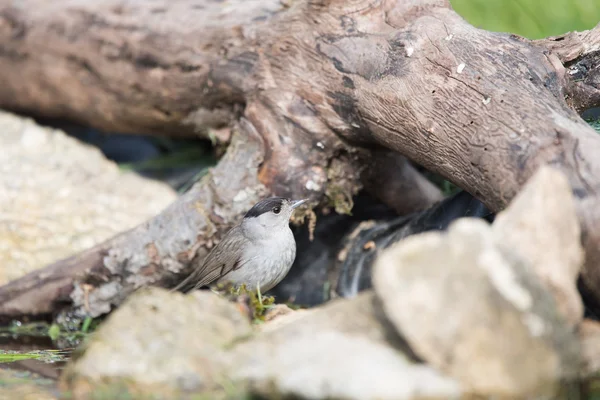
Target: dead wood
315,91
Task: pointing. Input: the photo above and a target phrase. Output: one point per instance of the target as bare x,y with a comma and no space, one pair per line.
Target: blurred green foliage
533,19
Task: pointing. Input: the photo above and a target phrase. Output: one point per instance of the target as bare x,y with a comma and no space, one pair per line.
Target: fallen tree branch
578,65
325,85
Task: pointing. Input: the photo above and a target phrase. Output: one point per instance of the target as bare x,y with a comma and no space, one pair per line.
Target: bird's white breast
267,261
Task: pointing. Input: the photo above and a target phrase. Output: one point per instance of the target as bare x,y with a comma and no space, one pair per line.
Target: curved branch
325,85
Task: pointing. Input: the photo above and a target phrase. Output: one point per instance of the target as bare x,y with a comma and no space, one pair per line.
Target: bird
258,252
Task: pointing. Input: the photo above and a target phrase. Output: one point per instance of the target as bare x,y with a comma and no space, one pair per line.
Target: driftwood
315,92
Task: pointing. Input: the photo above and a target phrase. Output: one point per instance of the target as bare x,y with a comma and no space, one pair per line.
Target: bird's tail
185,286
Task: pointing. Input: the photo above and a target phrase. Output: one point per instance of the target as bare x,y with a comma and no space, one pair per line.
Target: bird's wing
222,259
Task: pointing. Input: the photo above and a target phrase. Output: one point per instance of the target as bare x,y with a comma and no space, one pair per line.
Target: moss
343,184
257,303
340,199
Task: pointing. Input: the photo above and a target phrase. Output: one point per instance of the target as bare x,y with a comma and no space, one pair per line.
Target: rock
167,343
541,225
277,311
474,312
361,316
161,343
280,315
589,336
59,196
343,350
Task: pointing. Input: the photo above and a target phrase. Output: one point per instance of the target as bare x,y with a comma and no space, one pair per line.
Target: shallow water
33,355
29,357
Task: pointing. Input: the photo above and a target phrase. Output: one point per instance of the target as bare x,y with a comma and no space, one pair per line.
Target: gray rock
161,341
168,344
343,350
281,314
59,196
589,336
475,313
541,225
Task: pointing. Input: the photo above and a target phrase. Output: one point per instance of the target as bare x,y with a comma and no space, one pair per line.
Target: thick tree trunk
316,90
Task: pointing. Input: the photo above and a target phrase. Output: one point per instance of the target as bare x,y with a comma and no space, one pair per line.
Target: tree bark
316,90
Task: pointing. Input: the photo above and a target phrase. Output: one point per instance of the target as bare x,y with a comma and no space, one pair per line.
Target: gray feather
222,259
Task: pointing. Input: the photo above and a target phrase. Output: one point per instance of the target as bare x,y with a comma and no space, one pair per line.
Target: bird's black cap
264,206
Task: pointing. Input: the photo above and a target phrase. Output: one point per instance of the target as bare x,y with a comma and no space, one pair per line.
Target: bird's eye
276,209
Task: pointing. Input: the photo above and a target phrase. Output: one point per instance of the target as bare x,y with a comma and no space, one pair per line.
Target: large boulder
162,343
475,312
344,350
59,196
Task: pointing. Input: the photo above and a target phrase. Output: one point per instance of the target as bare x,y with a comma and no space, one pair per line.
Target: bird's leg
258,294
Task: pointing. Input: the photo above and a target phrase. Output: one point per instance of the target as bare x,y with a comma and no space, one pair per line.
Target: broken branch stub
324,85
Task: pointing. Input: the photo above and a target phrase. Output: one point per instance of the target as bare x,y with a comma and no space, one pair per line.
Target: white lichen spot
486,100
535,324
312,185
172,265
503,278
355,125
241,196
449,37
320,145
573,71
409,51
460,68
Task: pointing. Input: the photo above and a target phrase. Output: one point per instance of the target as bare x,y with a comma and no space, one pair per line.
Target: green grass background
533,19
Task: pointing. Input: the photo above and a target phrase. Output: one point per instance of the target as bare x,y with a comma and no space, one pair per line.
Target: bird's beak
297,203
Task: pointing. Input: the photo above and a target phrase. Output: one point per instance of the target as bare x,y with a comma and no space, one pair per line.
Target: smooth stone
475,313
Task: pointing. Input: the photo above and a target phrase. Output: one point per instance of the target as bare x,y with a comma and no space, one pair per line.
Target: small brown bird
258,252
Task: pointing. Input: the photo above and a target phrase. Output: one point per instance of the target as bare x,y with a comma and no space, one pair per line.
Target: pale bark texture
316,92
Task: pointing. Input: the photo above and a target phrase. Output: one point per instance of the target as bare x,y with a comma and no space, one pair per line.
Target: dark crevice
174,161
